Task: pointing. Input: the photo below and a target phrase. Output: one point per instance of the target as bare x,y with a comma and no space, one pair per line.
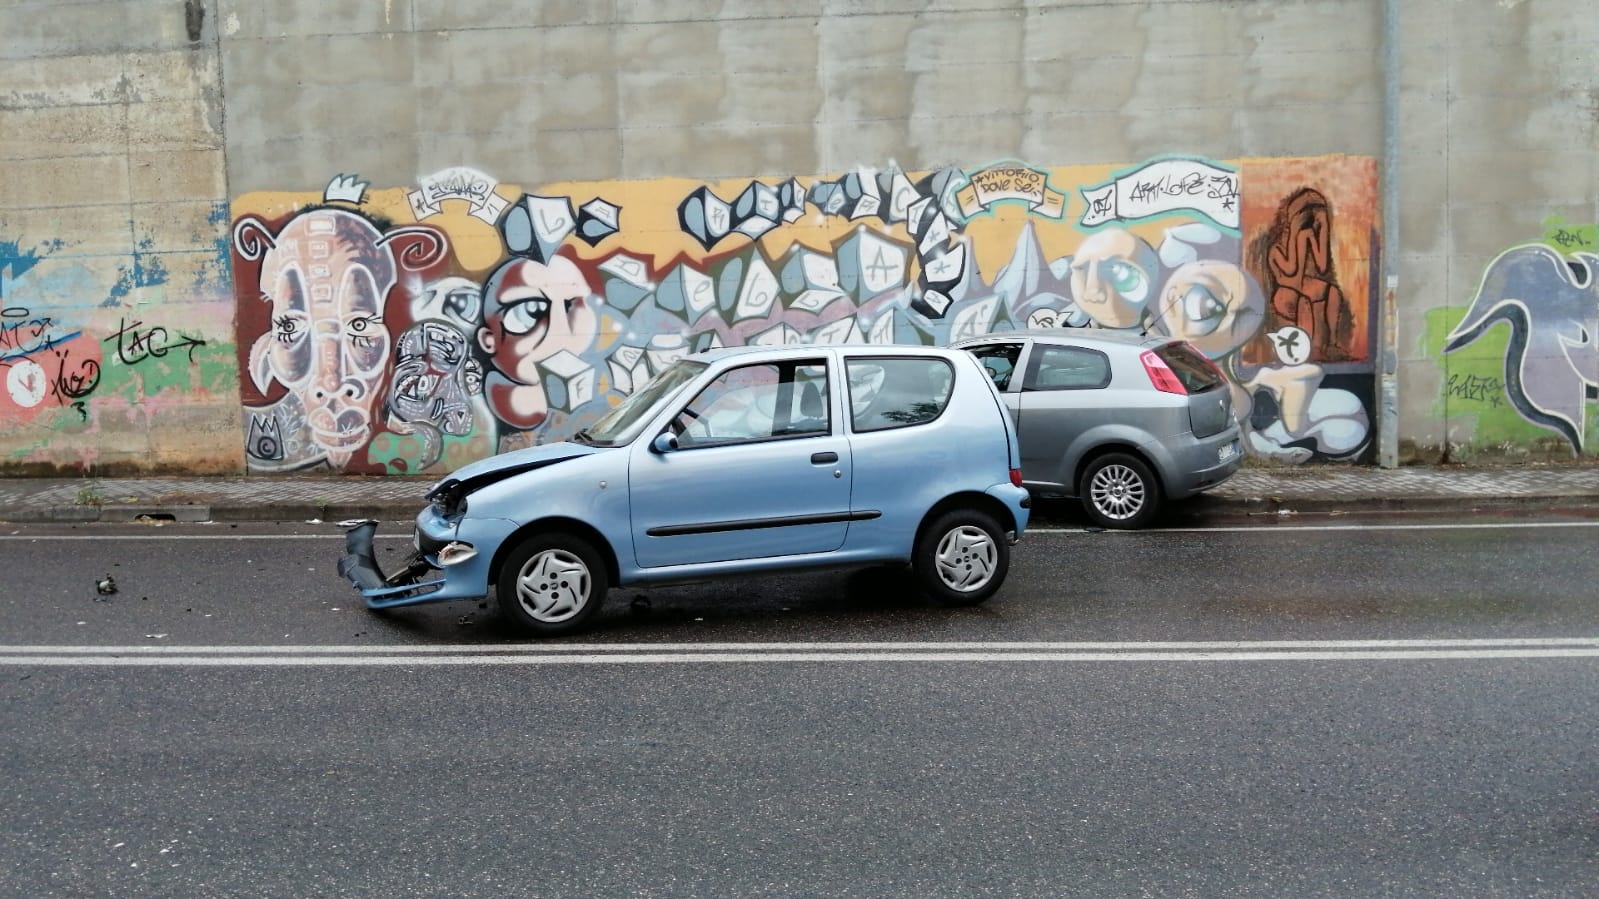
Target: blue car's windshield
640,403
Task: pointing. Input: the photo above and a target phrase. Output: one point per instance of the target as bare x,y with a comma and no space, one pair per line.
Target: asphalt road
1340,707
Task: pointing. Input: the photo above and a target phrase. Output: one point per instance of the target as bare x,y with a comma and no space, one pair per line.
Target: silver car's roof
810,349
1075,335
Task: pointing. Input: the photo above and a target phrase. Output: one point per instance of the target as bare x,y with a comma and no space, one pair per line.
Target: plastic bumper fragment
359,566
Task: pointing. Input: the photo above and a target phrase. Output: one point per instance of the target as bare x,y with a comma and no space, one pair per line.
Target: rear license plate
1227,452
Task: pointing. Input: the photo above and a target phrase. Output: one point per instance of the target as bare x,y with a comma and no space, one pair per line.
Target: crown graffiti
349,188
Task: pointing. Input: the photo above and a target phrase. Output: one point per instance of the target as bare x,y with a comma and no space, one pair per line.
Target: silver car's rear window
1196,373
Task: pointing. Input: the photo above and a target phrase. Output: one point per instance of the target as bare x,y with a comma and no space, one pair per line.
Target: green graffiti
1473,391
1570,238
410,453
213,369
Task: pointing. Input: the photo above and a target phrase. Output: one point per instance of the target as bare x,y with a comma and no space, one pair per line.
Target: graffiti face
326,279
1113,277
327,276
531,312
435,378
1212,304
1552,306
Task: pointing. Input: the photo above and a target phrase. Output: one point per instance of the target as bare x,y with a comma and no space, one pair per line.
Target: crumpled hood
497,468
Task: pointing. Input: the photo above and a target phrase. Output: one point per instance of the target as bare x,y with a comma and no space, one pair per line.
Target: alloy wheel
1117,491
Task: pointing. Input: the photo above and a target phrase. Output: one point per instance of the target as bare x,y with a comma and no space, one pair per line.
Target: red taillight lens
1161,375
1016,476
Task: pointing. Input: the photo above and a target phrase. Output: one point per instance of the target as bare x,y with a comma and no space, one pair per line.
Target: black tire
1119,491
551,584
961,559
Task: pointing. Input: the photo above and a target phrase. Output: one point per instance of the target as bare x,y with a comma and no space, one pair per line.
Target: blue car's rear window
892,392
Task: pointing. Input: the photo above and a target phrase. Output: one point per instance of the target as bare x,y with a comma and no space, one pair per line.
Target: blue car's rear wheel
961,558
551,584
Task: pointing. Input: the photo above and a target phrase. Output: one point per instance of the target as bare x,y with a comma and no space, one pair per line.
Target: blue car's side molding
755,524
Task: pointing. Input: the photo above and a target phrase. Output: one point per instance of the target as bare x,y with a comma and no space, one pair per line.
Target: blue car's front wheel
551,584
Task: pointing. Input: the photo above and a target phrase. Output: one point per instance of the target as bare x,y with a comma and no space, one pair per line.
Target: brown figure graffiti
1295,257
327,274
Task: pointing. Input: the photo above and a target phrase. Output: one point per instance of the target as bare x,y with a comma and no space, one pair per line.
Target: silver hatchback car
1118,420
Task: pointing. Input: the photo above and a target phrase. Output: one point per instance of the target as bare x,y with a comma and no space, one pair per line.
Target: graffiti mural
95,381
416,328
1547,297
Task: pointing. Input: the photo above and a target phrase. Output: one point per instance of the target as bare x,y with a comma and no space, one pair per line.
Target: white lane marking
66,537
653,654
1281,528
863,646
1252,529
774,658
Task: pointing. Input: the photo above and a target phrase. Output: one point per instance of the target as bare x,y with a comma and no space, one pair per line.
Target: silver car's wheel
551,584
961,558
1120,492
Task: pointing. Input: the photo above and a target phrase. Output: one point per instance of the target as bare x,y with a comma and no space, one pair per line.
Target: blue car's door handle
823,458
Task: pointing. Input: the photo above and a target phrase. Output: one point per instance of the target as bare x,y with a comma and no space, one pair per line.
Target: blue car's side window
757,402
892,392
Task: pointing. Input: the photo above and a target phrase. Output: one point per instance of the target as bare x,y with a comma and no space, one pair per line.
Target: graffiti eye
288,328
525,317
423,386
1202,309
362,330
463,303
1127,279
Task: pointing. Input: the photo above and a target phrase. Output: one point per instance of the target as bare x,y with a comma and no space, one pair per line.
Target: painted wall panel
414,329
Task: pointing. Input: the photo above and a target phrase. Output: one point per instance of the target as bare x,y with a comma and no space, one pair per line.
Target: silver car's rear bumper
1204,464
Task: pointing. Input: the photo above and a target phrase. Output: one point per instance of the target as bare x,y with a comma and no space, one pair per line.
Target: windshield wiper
582,436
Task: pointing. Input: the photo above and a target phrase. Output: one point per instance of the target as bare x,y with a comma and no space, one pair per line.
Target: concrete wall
1499,196
116,343
121,118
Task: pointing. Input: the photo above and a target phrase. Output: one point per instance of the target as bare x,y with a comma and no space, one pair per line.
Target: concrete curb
1293,505
215,512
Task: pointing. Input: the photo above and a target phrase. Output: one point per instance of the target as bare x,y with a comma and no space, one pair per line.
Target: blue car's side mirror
664,442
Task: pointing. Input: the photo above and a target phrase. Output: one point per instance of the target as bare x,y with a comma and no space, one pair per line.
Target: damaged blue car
730,462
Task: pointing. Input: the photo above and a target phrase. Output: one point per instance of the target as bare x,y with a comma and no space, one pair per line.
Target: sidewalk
1253,491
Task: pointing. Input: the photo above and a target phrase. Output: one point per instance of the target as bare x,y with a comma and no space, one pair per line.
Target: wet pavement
1253,491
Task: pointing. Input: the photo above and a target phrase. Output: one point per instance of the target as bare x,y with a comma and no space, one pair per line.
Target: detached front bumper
405,587
451,559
